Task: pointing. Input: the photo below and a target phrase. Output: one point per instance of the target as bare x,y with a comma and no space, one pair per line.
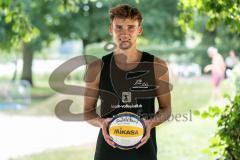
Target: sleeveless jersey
127,91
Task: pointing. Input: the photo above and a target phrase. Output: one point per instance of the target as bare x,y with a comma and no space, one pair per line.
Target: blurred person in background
230,61
217,67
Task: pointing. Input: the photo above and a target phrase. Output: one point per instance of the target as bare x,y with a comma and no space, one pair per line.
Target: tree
226,12
206,20
88,22
160,21
36,23
52,19
15,24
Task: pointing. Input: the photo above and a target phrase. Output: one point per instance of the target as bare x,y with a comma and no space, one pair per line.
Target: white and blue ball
126,130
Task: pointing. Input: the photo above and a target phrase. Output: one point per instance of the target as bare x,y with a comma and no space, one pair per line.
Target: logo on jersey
139,84
126,97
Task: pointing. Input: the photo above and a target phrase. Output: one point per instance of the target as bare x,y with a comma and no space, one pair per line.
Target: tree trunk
15,70
84,44
27,64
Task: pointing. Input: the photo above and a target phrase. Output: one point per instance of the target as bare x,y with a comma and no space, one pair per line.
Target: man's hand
207,68
104,126
148,126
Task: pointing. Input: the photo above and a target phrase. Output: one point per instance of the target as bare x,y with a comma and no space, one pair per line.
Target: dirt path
20,135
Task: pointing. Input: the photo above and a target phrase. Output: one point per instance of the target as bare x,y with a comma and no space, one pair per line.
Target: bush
226,143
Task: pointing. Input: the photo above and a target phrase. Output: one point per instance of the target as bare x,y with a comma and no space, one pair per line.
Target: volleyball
126,130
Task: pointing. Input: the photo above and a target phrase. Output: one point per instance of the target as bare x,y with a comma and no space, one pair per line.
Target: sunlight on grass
189,94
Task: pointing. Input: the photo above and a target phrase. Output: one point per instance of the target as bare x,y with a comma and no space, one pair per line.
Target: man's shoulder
148,56
157,61
154,58
107,56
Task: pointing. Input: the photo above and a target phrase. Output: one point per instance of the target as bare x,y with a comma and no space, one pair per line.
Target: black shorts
106,152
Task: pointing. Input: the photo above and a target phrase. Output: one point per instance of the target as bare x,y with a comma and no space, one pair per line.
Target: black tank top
127,91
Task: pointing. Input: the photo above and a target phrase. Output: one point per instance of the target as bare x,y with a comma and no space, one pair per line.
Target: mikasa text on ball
126,130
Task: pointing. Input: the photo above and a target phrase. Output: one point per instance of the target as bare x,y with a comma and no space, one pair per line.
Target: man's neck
132,54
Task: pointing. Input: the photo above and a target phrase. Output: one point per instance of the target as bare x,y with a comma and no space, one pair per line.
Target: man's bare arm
91,94
163,92
163,96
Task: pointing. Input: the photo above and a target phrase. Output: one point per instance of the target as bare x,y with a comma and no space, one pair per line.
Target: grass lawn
185,140
189,94
70,153
40,95
177,140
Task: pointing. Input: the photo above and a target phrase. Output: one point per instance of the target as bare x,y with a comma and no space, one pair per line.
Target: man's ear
140,30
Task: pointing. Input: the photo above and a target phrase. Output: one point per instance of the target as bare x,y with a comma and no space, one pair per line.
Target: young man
127,76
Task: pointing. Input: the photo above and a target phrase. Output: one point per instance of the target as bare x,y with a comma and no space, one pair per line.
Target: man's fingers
110,142
144,138
106,136
107,120
104,129
108,139
143,141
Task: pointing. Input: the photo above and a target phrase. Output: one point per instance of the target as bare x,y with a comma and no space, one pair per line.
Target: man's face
210,54
125,32
232,54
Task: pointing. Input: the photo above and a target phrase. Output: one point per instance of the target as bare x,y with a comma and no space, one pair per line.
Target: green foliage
226,142
224,12
89,22
81,19
197,16
236,78
15,24
160,21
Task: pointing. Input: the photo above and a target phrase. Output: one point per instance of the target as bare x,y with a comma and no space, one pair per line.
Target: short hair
233,50
125,11
212,49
